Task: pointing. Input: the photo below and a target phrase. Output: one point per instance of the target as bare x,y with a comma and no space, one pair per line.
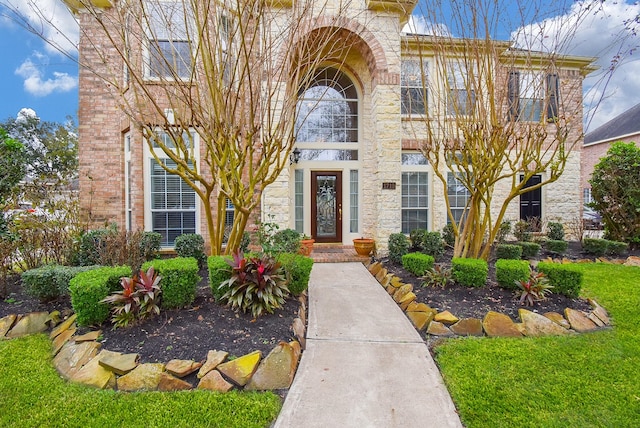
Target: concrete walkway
364,365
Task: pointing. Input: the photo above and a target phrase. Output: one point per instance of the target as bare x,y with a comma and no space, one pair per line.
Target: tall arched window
327,122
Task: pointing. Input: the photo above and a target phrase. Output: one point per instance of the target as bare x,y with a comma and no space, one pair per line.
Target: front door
326,206
531,201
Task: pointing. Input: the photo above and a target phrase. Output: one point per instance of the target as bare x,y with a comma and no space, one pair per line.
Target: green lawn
589,380
33,394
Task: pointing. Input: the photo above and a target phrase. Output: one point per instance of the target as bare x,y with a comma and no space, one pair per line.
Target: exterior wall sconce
294,157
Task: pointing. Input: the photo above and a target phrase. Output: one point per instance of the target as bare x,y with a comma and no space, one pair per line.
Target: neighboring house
359,171
624,127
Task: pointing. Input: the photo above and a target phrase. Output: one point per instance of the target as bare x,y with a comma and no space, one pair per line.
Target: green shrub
508,251
286,241
89,249
87,289
530,250
448,236
179,280
564,278
555,231
427,242
470,272
398,247
556,247
191,245
522,232
297,269
219,272
150,243
617,248
245,241
595,246
510,272
50,282
503,231
417,263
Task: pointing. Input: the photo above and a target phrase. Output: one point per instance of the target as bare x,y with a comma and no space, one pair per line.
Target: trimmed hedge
600,247
617,248
470,272
556,246
398,246
564,278
417,263
530,250
508,251
219,271
52,281
179,280
297,269
509,272
88,288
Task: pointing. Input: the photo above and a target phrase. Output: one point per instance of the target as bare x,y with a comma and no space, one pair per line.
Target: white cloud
49,18
35,82
606,30
420,25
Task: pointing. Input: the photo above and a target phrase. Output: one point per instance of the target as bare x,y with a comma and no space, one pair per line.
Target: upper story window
413,87
328,110
461,99
169,48
532,96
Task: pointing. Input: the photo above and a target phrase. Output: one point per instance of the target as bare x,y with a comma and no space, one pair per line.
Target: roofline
610,140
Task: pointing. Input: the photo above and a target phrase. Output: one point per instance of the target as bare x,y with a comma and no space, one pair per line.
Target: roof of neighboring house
624,124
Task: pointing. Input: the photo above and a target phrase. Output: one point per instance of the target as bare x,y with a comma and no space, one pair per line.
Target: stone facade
114,182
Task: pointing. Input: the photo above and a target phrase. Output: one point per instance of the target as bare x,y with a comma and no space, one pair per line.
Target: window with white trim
415,192
169,48
128,182
461,98
458,196
413,87
533,96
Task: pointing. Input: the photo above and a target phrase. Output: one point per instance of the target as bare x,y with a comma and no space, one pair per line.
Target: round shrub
427,242
297,269
286,241
530,250
617,248
150,243
398,247
191,245
219,272
595,246
417,263
508,251
556,247
555,231
509,272
470,272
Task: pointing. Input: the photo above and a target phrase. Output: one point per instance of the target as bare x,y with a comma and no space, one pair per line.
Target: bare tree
498,113
226,74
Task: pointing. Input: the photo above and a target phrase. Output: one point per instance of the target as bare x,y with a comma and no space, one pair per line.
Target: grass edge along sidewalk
584,380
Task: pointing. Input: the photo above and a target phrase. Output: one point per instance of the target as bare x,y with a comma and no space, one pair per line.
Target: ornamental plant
533,289
438,275
138,299
257,284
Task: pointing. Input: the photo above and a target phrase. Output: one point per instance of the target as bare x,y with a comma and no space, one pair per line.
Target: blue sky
35,76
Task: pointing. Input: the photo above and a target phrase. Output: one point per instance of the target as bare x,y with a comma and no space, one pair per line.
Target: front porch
336,253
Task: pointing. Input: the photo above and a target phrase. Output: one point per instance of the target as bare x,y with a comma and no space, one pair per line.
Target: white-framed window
461,98
458,196
415,192
586,196
168,53
229,216
413,87
533,96
128,203
172,203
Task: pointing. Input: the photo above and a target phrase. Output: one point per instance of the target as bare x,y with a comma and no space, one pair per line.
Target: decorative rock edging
494,324
80,360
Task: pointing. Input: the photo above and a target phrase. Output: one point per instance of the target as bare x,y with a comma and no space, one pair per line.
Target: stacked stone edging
494,324
79,359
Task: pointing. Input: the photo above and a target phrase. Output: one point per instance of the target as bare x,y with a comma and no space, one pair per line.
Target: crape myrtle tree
615,189
494,113
226,71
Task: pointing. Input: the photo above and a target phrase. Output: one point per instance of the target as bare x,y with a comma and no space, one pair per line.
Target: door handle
340,212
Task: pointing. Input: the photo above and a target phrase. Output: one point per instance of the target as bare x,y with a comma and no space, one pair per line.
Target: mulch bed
183,334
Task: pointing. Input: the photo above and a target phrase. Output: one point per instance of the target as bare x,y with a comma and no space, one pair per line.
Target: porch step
331,253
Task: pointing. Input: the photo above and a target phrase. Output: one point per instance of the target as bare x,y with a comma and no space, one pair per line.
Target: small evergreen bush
88,289
510,272
522,232
595,246
179,280
90,247
150,244
508,251
50,282
398,247
470,272
530,250
286,241
448,236
564,278
556,247
617,248
503,232
219,272
555,231
191,245
427,242
297,269
417,263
